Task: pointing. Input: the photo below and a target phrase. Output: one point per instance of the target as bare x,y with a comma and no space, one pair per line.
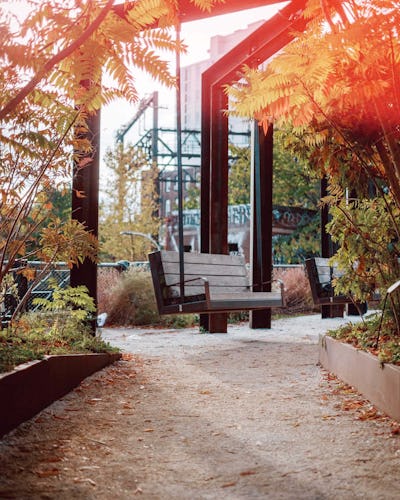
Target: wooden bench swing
320,276
212,283
187,282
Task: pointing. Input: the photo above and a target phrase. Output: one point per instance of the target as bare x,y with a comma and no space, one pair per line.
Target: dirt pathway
246,415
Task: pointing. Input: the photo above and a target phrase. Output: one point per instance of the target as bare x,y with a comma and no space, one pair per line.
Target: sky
196,35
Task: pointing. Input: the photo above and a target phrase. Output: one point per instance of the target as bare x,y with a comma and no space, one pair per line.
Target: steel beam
218,215
261,44
85,207
336,310
261,248
188,11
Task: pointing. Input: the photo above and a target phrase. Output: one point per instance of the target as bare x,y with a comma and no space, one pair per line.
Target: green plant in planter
364,336
366,233
60,327
72,300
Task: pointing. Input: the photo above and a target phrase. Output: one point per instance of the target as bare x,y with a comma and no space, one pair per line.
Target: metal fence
46,277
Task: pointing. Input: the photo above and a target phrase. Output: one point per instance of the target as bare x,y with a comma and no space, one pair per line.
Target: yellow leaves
79,194
146,12
29,273
69,242
326,77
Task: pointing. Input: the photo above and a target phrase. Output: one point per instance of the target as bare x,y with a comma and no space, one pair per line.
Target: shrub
107,280
297,289
60,327
130,301
377,334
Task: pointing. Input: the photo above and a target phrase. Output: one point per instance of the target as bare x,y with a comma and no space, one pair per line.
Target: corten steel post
218,231
205,176
336,310
85,208
262,221
214,185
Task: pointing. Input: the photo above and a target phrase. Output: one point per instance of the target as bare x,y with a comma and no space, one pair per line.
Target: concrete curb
32,386
379,383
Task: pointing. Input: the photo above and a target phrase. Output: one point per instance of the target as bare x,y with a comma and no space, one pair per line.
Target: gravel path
243,415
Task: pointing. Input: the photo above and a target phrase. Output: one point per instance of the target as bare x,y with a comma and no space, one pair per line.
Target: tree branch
53,61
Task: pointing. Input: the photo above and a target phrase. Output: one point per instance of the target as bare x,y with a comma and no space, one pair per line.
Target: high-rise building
191,79
191,118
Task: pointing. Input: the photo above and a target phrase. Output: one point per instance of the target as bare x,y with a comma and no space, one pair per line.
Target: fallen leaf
59,417
395,428
248,473
50,460
370,414
352,405
228,485
47,472
128,357
148,430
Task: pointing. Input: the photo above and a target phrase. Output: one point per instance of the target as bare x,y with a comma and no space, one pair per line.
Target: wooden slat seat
320,275
212,283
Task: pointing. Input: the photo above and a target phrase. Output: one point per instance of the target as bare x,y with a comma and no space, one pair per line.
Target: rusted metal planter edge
378,383
32,386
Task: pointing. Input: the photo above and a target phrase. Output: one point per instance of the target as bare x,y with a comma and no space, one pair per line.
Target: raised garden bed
32,386
379,383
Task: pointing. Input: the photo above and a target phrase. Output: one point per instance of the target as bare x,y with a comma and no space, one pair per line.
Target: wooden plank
206,258
248,296
226,303
205,270
235,281
256,300
228,292
196,290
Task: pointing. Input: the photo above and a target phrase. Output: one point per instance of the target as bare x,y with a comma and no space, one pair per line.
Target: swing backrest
223,273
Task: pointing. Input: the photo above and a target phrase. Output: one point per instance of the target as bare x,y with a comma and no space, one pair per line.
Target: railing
58,273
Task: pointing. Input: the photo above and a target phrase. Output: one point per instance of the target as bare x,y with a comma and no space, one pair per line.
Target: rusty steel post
335,310
85,208
261,251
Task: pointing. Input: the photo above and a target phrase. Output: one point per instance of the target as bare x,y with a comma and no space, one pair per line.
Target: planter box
29,388
380,384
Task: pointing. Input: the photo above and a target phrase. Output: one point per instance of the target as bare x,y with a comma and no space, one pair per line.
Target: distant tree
239,175
129,204
294,183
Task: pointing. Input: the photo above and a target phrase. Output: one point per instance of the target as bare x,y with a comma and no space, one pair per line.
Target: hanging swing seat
212,283
320,275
